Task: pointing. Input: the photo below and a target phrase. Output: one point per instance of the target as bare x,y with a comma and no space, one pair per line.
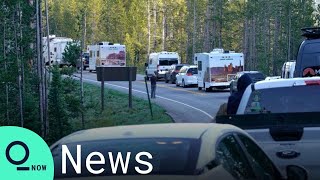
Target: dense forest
266,31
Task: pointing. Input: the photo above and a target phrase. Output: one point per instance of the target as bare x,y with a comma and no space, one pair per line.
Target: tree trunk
6,72
164,27
155,25
18,59
39,65
149,30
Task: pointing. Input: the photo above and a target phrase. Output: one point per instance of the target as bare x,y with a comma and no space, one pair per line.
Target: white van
161,63
288,69
217,68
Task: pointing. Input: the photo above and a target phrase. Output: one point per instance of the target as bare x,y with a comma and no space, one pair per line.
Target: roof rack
311,33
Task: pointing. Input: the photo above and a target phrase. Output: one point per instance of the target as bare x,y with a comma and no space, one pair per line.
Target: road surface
184,105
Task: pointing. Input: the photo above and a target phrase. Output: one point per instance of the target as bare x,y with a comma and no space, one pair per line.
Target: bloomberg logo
115,161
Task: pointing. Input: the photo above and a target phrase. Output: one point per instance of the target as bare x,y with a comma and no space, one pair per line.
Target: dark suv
254,75
170,76
308,58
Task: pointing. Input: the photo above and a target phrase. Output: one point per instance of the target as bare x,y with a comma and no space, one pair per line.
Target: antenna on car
311,33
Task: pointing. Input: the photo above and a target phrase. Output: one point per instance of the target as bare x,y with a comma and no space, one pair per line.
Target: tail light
312,82
189,74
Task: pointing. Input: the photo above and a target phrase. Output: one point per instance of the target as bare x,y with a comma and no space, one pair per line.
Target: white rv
161,62
106,54
217,68
57,47
288,69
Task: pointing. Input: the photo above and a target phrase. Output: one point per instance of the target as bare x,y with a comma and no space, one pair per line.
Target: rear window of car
178,67
193,71
171,156
284,100
256,76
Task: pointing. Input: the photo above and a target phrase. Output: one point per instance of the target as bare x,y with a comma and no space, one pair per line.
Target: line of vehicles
278,117
100,54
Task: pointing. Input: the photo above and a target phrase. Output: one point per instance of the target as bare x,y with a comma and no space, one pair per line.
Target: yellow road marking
176,89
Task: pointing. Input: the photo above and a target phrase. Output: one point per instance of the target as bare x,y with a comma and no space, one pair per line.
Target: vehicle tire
199,88
84,68
207,89
90,70
183,84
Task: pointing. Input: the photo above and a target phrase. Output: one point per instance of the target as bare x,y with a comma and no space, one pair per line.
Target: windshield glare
284,100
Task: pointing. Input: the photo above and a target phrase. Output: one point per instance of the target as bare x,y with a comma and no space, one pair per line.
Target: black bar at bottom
23,168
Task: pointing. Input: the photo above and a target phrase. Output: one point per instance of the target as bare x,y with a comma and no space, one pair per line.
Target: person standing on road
235,98
153,81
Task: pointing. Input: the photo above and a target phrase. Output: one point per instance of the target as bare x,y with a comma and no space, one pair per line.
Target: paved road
182,104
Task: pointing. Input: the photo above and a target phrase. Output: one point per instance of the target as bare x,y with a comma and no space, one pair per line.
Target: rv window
167,62
55,49
200,65
90,54
98,53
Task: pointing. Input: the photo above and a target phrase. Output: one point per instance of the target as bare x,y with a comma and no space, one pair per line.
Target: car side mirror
296,173
146,64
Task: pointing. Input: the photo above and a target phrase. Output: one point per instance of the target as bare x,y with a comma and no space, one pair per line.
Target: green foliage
58,112
72,53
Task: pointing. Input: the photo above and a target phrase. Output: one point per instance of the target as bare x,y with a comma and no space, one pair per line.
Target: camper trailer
160,62
217,68
57,47
288,69
106,54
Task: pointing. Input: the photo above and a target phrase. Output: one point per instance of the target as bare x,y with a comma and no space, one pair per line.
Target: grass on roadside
116,110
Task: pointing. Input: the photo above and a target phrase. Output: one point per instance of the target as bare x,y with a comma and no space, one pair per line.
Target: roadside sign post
102,90
150,106
116,74
130,87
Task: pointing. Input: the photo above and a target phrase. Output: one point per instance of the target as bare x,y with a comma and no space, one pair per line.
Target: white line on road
156,96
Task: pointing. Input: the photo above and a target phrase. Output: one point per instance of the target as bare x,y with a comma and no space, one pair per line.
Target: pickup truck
283,116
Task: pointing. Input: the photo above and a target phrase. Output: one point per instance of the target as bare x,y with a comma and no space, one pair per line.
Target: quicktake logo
24,155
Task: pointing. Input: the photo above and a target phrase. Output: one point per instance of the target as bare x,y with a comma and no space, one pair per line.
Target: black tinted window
231,157
284,100
259,161
178,67
193,71
256,76
168,62
170,156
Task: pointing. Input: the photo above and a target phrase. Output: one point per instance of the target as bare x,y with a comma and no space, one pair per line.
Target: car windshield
284,100
171,156
168,62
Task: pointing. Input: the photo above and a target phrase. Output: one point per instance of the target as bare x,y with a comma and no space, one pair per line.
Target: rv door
200,73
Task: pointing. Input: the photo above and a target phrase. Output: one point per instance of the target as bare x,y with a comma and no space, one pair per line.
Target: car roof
275,83
172,130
